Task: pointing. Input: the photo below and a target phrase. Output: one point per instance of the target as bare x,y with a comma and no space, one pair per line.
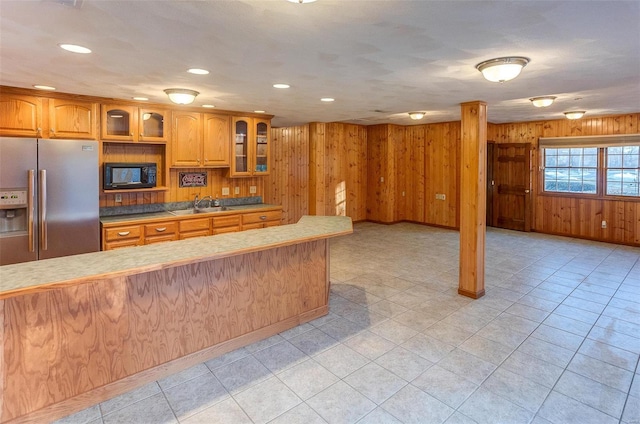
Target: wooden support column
473,198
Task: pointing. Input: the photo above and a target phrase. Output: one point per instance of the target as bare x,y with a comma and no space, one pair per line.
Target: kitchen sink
199,210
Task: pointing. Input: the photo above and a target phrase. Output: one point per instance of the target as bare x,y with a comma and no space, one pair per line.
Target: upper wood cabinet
20,116
251,147
200,140
72,119
125,123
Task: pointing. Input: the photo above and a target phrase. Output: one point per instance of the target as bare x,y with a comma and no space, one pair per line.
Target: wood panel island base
78,330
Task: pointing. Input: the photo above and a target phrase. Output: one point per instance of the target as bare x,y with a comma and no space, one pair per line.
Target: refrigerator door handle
30,210
43,209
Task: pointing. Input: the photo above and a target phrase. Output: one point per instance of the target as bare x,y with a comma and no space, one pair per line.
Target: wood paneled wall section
384,148
431,162
288,183
571,215
338,170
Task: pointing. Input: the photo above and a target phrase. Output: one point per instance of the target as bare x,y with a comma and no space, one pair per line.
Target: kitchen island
81,329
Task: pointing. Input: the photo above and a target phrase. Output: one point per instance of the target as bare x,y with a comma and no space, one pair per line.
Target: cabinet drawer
122,233
194,225
223,230
163,237
160,228
192,234
226,221
255,217
122,243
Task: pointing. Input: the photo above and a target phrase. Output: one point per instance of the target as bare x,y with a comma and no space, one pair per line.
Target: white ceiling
378,59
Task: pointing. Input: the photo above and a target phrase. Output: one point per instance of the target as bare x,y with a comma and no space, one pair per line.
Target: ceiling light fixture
281,85
301,1
142,99
74,48
44,87
327,99
198,71
258,111
416,115
503,68
543,101
575,114
181,96
208,106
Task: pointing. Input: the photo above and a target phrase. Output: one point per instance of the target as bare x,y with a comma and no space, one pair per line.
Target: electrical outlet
236,190
440,196
252,189
381,179
225,191
604,224
118,198
403,194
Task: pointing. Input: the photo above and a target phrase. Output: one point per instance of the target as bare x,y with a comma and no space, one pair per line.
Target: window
623,169
593,165
571,170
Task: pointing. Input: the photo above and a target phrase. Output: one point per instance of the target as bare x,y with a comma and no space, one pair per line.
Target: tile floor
555,339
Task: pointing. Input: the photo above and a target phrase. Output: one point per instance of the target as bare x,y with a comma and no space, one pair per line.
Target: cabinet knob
141,135
52,130
131,134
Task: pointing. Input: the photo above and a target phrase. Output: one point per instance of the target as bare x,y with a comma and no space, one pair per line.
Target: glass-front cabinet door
261,164
118,122
152,125
240,165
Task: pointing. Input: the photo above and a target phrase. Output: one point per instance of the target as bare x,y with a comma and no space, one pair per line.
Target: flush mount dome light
181,96
575,114
503,68
543,101
416,115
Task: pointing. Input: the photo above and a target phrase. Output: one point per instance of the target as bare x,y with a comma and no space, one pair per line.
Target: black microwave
118,176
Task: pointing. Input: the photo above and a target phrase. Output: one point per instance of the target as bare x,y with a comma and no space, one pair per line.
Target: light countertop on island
49,274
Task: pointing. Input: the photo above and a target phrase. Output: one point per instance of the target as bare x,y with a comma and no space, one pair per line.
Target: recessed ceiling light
327,99
258,111
208,106
140,98
198,71
44,87
281,85
75,48
301,1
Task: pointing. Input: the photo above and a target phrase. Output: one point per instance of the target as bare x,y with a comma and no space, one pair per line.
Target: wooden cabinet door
186,139
119,123
20,116
216,141
261,147
241,146
72,119
153,125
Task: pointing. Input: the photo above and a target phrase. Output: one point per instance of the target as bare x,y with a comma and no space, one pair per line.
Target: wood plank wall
288,183
338,170
572,215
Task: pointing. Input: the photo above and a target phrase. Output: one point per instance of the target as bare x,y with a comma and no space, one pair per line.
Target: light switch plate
118,198
236,190
252,189
225,191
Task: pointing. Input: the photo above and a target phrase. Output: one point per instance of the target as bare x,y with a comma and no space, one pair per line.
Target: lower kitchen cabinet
180,228
190,228
255,220
226,224
124,236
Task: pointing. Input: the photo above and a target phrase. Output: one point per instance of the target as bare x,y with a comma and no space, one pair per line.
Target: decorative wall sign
193,179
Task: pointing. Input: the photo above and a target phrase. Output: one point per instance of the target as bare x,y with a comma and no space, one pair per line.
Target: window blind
590,141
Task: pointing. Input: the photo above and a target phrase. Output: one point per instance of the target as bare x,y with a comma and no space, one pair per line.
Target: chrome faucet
196,201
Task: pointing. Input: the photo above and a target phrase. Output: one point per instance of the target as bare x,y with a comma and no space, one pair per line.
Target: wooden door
186,139
511,186
217,140
72,119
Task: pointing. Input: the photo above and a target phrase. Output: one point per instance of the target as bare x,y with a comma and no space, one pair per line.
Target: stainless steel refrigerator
48,198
